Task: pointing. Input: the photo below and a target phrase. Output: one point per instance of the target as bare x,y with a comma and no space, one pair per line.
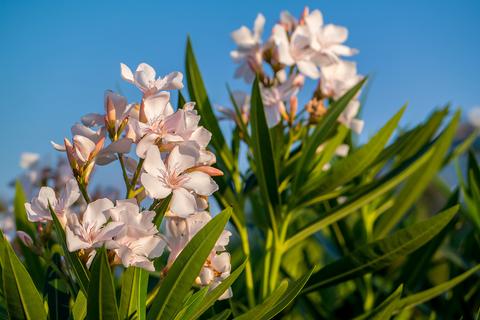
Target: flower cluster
173,166
295,50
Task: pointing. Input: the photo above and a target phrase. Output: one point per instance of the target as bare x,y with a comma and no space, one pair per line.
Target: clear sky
57,59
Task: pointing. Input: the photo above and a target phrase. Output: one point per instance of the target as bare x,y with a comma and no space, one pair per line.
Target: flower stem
248,267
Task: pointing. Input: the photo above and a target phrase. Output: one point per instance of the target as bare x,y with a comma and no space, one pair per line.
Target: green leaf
34,265
212,296
321,133
101,301
357,162
421,297
81,273
133,298
21,219
181,100
192,303
222,315
369,194
198,94
385,310
265,172
379,254
160,210
23,301
79,309
186,268
416,185
277,301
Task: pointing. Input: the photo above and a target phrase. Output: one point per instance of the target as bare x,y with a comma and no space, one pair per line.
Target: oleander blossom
173,159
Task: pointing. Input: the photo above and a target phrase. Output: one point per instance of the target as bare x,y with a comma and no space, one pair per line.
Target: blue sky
58,59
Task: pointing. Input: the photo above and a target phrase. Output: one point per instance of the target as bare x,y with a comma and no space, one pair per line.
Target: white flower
179,231
288,22
216,269
249,49
338,78
93,229
138,241
38,211
296,50
327,40
161,179
274,98
158,122
145,79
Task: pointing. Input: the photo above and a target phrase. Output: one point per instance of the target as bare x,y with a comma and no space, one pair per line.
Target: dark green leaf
358,161
416,184
321,133
133,294
81,273
385,310
265,172
23,301
198,94
186,268
379,254
277,301
101,300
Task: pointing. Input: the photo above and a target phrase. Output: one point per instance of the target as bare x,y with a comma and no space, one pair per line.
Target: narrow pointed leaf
186,268
379,254
79,309
277,301
371,192
101,301
265,172
23,301
81,273
133,295
321,133
424,296
417,184
358,161
198,94
385,310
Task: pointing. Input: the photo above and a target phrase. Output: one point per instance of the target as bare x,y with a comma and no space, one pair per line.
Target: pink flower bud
25,238
211,171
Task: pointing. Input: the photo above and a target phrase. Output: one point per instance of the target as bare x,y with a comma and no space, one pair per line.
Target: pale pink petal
74,242
201,183
93,119
183,203
93,215
153,163
180,161
58,147
126,73
155,106
154,188
145,144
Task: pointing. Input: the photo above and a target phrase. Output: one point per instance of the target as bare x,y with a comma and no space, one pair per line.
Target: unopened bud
70,155
25,238
305,13
111,114
293,108
211,171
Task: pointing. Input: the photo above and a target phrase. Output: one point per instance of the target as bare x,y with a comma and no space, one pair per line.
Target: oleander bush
278,211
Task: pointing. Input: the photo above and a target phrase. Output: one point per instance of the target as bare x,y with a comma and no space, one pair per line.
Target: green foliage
23,301
316,235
